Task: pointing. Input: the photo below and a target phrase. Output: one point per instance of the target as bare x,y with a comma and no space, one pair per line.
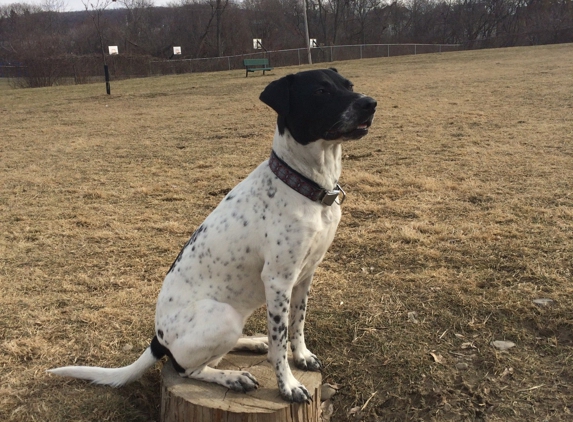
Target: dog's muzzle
355,121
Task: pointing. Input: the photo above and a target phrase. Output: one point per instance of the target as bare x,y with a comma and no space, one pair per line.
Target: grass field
459,214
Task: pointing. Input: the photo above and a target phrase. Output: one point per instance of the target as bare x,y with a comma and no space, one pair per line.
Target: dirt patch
459,214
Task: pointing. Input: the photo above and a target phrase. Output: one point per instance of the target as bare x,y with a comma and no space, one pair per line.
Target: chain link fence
297,57
37,72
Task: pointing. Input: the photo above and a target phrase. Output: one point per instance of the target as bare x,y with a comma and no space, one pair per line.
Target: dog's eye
321,91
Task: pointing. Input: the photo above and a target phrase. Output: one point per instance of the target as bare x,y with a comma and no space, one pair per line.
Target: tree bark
188,400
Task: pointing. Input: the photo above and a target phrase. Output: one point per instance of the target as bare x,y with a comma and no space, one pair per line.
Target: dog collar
304,185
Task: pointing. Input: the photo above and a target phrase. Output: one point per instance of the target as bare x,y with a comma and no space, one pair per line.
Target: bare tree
53,5
136,23
95,11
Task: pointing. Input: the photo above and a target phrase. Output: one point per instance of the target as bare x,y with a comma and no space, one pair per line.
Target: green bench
253,65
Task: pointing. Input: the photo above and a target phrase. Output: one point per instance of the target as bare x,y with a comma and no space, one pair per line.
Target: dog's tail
116,377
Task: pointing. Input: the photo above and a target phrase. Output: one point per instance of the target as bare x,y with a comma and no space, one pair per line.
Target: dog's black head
319,104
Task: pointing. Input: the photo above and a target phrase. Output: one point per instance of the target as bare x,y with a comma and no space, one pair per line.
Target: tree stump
187,400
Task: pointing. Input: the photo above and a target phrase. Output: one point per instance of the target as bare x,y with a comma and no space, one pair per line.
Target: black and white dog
261,245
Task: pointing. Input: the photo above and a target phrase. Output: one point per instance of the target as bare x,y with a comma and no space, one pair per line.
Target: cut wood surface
188,400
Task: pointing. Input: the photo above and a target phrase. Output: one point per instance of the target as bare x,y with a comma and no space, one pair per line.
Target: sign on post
257,43
113,49
313,43
177,51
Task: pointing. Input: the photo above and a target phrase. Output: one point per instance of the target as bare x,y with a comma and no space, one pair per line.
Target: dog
261,245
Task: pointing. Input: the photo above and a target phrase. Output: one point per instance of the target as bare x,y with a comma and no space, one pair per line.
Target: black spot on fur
192,240
158,350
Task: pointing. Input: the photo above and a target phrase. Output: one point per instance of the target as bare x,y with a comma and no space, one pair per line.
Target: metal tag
343,194
331,196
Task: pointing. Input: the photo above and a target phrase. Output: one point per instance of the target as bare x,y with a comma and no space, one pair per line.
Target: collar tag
331,196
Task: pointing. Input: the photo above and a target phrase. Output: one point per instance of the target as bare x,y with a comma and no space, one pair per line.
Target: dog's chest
325,225
261,223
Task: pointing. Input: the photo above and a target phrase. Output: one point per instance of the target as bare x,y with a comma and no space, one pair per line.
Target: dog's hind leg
252,344
241,381
203,334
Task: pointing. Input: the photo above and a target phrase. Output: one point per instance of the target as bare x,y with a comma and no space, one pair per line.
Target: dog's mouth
354,133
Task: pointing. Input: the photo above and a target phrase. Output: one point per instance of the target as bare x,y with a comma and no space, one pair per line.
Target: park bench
252,65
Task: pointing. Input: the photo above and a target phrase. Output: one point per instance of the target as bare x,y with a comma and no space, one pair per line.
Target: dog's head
319,104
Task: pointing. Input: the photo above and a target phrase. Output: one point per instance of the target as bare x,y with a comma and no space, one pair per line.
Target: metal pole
306,33
107,86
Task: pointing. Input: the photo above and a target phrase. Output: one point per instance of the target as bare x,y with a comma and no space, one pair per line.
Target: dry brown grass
460,213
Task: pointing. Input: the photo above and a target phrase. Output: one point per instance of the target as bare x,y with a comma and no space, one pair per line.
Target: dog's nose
366,104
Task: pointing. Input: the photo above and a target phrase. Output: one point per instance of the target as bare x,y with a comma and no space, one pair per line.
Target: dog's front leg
278,293
303,358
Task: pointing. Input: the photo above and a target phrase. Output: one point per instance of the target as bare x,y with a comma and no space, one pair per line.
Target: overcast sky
75,4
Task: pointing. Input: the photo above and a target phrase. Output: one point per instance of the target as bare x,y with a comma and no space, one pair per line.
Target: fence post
414,49
106,72
360,51
388,50
298,51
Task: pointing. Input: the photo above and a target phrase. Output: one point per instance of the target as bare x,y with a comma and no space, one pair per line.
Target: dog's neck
320,161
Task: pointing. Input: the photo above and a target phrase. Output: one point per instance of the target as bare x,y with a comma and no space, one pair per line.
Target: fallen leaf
506,372
502,344
437,358
412,317
326,411
468,345
543,302
354,410
328,390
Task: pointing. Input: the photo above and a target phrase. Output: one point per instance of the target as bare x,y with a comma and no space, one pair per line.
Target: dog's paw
253,344
260,344
242,382
307,361
298,394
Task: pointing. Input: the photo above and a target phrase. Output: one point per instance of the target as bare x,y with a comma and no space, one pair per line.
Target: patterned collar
304,185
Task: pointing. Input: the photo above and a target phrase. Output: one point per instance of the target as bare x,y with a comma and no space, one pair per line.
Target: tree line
210,28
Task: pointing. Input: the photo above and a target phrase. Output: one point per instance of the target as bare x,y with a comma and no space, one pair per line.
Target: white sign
313,43
257,43
177,50
113,49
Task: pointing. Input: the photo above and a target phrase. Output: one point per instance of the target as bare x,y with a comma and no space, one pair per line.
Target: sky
72,5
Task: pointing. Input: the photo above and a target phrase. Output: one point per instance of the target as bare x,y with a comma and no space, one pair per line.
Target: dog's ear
333,69
276,95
